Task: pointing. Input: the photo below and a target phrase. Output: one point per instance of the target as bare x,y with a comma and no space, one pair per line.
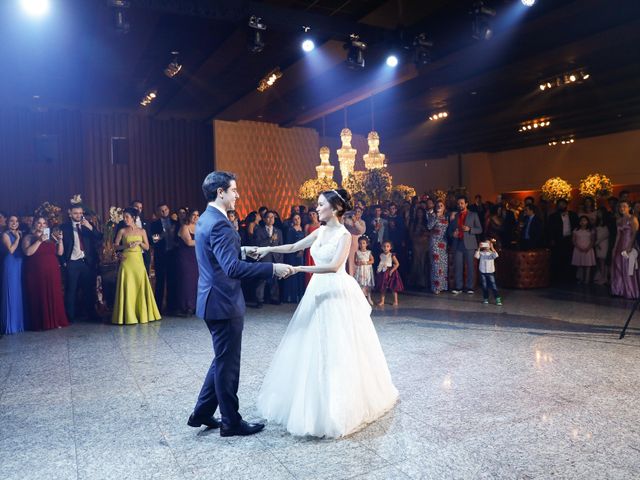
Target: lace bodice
324,248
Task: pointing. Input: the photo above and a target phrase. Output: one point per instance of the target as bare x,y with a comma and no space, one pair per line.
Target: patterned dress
438,253
364,273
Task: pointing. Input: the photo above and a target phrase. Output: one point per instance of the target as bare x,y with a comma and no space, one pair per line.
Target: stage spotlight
308,45
422,49
392,61
481,24
35,8
528,3
355,52
120,20
257,29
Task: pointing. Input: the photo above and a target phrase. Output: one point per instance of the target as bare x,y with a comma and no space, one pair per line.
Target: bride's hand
261,252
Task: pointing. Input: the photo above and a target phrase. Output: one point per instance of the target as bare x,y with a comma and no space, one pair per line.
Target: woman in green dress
135,302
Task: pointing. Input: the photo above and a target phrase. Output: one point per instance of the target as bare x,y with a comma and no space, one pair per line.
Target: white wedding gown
328,377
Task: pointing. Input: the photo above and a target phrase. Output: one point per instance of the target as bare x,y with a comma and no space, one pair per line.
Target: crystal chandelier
346,154
325,169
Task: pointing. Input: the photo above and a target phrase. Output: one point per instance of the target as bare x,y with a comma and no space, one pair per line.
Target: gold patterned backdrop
271,162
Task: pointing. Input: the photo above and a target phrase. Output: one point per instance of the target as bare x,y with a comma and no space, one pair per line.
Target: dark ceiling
74,58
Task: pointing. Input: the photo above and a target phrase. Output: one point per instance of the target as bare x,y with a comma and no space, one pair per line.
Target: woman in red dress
313,224
42,280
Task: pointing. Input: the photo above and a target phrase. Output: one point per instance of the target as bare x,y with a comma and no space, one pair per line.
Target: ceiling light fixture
174,67
269,79
562,141
149,97
439,115
256,34
35,8
568,78
482,23
120,21
422,49
355,51
536,124
307,43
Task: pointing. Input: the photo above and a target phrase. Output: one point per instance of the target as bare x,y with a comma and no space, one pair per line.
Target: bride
328,377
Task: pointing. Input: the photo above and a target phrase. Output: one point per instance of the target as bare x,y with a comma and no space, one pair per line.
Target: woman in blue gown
11,306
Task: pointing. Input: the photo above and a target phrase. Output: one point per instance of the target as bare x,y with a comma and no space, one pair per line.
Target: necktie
79,230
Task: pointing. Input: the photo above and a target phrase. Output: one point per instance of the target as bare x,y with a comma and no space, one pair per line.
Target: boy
486,255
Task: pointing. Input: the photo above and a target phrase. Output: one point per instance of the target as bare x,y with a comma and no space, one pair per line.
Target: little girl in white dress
364,268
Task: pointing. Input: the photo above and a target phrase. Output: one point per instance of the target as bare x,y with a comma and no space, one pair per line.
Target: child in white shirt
486,255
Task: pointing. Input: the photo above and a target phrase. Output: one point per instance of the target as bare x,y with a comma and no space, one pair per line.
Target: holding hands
257,253
282,270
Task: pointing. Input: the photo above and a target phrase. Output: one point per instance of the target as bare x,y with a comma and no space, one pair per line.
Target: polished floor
539,388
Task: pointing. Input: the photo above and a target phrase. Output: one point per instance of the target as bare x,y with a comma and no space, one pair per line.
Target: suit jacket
535,233
218,254
90,240
373,234
155,228
472,221
262,239
555,226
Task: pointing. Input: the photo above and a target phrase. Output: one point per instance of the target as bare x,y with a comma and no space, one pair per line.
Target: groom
221,305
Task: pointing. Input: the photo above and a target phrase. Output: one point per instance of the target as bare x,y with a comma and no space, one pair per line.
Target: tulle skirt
329,376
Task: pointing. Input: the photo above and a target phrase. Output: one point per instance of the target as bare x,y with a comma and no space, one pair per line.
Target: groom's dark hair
214,181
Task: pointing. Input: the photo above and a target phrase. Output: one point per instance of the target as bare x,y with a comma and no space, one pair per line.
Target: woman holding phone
42,281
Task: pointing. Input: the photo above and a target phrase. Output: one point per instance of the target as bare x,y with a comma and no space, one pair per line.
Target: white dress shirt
76,253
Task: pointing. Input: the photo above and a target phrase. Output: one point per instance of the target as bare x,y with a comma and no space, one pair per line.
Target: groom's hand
282,270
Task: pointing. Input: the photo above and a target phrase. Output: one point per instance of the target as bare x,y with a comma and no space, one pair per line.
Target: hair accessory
334,191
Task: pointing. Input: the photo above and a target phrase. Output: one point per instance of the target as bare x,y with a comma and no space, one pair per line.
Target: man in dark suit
462,230
531,232
561,225
268,235
221,304
80,260
141,222
164,234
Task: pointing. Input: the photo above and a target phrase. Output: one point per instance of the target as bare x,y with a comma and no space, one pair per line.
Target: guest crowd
424,243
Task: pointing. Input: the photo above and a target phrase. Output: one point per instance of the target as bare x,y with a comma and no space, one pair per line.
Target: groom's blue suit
221,305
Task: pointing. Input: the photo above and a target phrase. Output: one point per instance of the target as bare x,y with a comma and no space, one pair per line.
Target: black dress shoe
197,422
259,305
242,430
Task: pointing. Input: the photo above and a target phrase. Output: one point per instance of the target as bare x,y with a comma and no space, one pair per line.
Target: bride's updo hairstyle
339,199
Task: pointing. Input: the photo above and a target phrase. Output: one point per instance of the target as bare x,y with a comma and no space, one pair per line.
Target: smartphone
46,233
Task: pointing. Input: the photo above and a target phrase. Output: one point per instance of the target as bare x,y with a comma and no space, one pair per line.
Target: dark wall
54,154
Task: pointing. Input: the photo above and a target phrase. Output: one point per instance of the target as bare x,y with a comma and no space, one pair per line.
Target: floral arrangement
51,212
76,199
595,185
377,184
555,189
115,217
310,189
400,193
354,184
439,195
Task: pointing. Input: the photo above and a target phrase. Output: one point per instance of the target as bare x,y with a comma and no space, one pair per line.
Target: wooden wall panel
271,162
168,160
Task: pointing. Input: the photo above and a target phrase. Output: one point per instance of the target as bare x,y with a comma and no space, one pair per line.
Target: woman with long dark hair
134,302
329,376
187,265
11,308
42,279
